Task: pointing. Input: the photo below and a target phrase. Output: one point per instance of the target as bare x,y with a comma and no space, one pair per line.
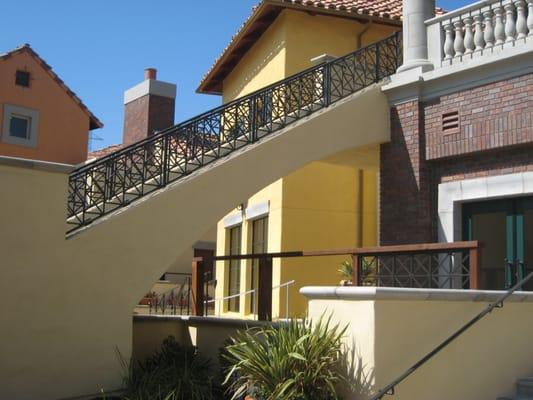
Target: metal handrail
390,388
103,186
253,291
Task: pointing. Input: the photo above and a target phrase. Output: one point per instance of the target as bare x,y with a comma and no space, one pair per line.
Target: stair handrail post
475,262
326,76
264,292
197,290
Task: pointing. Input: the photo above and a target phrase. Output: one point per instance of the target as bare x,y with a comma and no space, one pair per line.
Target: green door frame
515,252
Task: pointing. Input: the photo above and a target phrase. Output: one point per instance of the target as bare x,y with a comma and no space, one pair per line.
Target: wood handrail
363,251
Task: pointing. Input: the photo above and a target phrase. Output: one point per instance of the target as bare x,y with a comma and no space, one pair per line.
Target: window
20,126
234,278
22,78
259,245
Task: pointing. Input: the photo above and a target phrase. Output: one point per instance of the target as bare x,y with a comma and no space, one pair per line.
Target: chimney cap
150,73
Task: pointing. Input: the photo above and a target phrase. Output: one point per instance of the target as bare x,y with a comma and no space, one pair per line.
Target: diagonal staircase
115,181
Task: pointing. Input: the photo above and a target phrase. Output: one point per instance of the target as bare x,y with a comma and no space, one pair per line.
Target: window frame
17,111
234,304
23,75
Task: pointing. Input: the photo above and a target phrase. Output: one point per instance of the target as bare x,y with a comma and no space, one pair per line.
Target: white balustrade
485,26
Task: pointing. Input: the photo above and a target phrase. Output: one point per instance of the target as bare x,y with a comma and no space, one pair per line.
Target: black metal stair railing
114,181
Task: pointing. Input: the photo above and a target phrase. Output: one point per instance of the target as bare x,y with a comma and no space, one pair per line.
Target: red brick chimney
148,107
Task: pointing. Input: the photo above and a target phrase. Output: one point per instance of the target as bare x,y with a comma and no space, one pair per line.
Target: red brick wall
405,196
145,115
490,163
491,116
495,137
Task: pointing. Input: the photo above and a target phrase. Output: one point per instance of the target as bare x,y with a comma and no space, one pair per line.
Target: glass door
524,241
505,230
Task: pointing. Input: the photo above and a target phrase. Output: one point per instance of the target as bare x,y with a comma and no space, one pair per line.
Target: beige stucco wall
390,334
64,314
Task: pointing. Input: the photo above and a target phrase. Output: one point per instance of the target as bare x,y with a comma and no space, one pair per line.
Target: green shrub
175,372
297,361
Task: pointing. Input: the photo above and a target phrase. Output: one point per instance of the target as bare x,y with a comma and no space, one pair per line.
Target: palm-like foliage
297,361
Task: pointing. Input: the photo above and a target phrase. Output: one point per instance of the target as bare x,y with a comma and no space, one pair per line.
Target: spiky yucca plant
297,361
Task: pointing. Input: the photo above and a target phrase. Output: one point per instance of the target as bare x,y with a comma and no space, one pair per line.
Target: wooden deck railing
430,265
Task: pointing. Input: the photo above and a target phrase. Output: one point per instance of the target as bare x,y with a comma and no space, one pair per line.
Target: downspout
360,208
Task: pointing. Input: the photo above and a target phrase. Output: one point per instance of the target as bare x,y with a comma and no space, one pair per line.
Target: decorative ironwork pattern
120,178
437,270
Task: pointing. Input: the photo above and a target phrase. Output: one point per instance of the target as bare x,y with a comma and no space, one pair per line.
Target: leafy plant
368,272
296,361
346,270
175,372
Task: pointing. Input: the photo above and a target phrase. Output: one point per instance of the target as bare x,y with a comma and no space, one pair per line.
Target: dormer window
22,78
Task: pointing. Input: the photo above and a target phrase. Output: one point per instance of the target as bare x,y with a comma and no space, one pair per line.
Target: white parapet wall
389,329
481,29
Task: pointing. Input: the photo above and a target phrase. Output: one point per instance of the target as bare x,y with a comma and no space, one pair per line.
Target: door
505,229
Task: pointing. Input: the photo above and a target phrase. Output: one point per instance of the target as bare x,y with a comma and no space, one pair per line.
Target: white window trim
34,126
453,194
258,210
232,220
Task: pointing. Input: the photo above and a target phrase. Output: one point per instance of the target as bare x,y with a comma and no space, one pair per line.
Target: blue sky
101,47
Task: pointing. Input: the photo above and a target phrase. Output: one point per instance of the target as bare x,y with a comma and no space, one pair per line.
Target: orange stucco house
40,117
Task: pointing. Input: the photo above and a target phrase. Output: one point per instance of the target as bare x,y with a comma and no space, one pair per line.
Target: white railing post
530,17
458,44
499,28
479,40
510,24
489,29
469,35
448,43
521,22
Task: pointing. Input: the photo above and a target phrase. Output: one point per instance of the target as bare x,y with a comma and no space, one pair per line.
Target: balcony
480,32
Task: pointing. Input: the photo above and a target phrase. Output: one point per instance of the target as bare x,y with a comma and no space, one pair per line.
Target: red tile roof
94,122
389,9
104,152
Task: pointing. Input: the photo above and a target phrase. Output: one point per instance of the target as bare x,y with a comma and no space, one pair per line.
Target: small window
22,78
19,126
234,276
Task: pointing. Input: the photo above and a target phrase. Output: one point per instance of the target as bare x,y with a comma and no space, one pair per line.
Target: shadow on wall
359,383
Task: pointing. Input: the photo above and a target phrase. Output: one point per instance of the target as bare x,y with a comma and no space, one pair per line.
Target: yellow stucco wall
330,204
308,36
263,64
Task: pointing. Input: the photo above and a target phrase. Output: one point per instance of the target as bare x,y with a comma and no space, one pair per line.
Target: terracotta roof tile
104,152
94,122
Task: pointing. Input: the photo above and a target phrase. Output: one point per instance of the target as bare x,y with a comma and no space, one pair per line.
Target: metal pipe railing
390,388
